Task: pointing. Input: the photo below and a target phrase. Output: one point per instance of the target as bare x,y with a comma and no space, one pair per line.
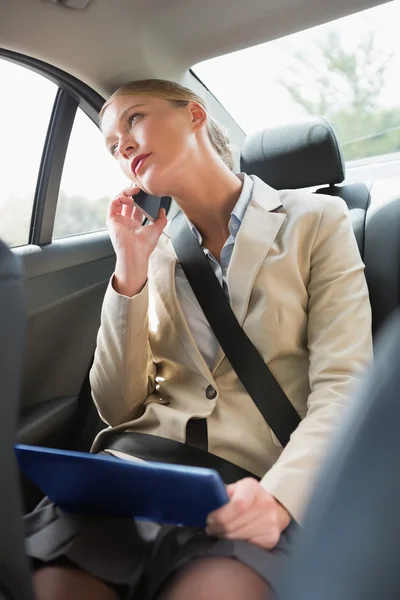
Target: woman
295,282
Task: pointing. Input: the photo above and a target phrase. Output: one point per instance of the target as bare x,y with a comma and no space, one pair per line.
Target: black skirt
137,557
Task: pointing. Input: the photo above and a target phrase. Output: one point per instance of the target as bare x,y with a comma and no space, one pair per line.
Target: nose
126,146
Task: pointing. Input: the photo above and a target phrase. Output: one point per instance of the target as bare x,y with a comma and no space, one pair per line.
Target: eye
133,118
112,149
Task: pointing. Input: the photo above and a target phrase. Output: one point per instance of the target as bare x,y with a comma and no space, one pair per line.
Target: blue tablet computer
84,483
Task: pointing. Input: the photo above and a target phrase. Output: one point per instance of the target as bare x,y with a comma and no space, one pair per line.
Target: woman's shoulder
295,202
308,200
305,201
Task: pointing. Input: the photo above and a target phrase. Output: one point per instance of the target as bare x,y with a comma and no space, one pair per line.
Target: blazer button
211,392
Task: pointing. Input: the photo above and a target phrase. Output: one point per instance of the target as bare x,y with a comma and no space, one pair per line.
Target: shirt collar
238,211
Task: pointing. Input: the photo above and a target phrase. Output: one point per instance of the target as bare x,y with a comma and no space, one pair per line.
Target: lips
137,162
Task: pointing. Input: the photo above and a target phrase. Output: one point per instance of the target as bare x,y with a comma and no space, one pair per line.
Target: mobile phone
147,204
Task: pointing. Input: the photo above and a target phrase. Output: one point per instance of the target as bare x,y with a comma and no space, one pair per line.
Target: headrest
297,155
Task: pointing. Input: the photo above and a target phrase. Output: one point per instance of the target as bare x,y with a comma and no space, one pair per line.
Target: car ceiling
113,41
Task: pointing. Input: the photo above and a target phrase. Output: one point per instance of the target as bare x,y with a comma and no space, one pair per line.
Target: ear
198,115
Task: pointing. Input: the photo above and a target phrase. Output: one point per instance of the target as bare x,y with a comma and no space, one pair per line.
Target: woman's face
152,140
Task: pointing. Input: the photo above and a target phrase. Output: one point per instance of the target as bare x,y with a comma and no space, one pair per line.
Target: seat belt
244,358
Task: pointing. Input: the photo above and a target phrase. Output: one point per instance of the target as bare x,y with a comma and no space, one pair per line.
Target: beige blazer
297,286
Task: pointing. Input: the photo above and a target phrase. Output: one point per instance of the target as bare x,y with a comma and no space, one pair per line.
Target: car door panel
48,423
65,286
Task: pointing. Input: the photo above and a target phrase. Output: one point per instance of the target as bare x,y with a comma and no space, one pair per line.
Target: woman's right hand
133,243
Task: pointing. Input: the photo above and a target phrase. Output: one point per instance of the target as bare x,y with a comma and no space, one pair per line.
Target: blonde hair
179,96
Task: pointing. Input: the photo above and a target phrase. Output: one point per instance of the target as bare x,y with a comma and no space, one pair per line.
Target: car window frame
71,95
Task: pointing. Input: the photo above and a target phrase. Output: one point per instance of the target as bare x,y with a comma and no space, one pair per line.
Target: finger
161,220
263,508
126,222
115,206
137,215
244,495
131,190
250,530
256,514
127,209
230,489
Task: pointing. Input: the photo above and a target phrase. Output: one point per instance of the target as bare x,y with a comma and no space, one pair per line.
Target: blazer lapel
256,235
163,274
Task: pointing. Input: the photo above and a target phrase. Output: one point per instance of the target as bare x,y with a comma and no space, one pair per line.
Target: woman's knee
62,583
216,578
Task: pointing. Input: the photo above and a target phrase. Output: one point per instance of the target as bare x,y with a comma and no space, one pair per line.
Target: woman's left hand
251,514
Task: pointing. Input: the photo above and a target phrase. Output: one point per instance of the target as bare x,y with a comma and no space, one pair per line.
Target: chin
155,184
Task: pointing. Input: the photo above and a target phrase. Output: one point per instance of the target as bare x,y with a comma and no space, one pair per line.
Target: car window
26,102
91,177
346,71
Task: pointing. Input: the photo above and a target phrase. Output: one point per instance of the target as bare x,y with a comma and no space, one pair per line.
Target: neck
207,197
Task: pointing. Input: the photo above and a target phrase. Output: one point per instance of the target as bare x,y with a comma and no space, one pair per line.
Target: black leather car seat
305,155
